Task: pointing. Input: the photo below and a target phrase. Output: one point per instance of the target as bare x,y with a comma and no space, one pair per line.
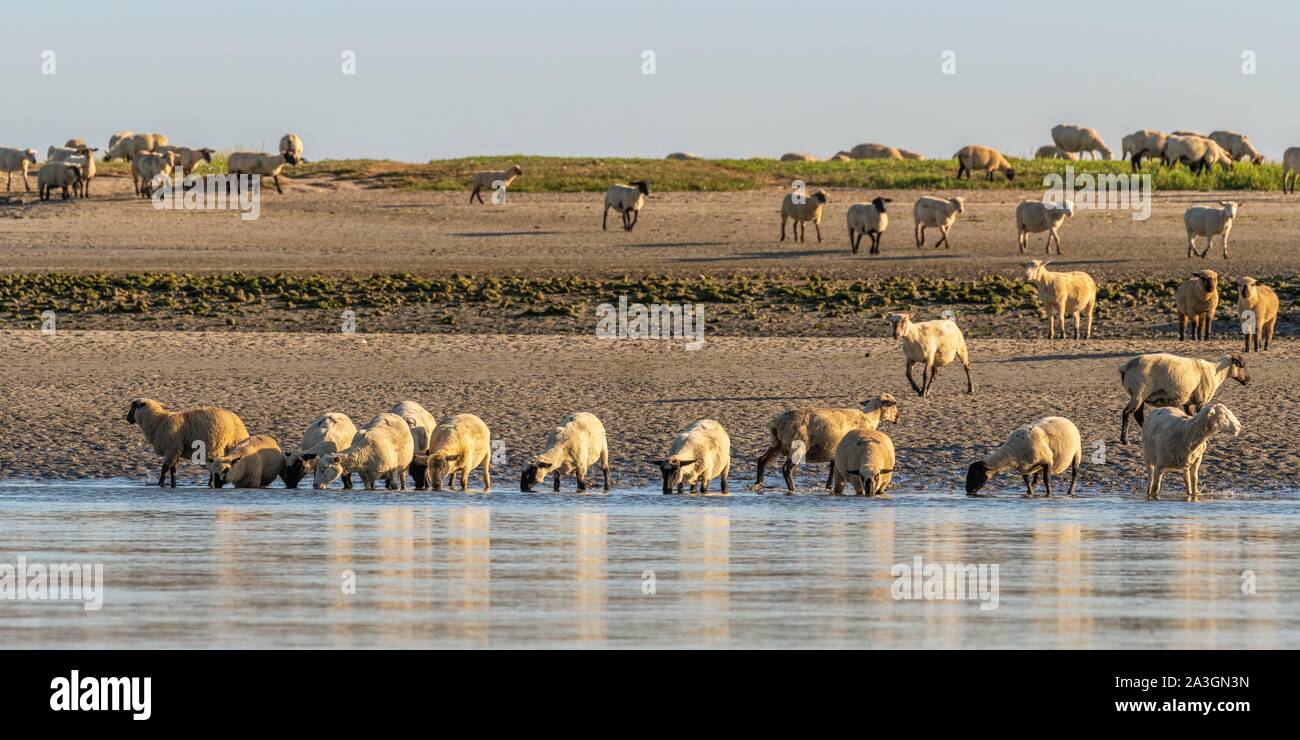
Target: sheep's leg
487,476
473,194
818,228
965,365
1189,484
464,479
632,219
1191,244
908,372
783,219
1196,480
1254,338
1074,474
1153,483
1268,336
582,479
725,472
604,221
838,488
1129,408
1225,245
918,232
830,474
933,373
853,245
557,480
946,245
1076,326
1051,326
681,487
1091,307
1029,485
763,460
278,189
1140,414
167,465
1182,328
787,472
1047,480
1022,239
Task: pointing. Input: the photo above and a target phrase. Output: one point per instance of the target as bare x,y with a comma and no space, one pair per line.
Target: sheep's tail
798,452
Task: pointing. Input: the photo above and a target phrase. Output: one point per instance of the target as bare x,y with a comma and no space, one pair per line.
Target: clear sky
757,78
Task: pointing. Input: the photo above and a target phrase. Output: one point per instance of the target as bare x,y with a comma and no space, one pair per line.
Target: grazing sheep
683,157
869,219
1169,380
628,201
1035,216
1144,143
1044,448
864,458
263,165
1063,293
875,151
1196,299
187,159
1198,153
491,180
291,144
1172,440
1290,169
571,448
150,166
208,432
911,155
1209,222
1080,139
809,210
254,463
840,157
1237,145
422,424
381,448
934,344
53,175
811,434
700,453
1255,296
939,213
982,158
460,443
1054,152
16,160
797,157
330,432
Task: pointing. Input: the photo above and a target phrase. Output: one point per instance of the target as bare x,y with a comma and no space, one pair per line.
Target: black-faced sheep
698,454
628,201
1044,448
1196,300
575,445
864,459
330,432
975,158
492,180
869,219
460,443
801,209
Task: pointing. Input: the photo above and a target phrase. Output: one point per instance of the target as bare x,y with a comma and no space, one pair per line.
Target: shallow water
196,568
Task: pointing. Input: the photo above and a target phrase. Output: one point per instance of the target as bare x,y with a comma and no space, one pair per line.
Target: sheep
460,443
1196,300
1080,139
85,157
1195,134
864,458
1198,153
60,153
57,175
1063,293
1290,169
16,160
974,157
683,157
875,151
150,167
75,144
869,219
840,156
1035,216
940,213
1169,380
698,454
114,139
1173,440
493,180
1144,143
811,434
1209,222
627,200
797,157
254,463
934,344
1254,296
571,448
381,448
263,165
1043,448
330,432
291,144
207,431
128,147
1237,145
911,155
810,209
1054,152
422,424
187,159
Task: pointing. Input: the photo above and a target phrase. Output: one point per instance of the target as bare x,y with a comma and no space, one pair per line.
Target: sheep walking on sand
936,213
864,459
697,455
203,433
1209,222
1196,299
812,434
1035,217
802,208
1062,294
975,158
261,165
1041,449
1169,380
869,219
571,448
932,344
1262,304
628,200
497,182
1173,440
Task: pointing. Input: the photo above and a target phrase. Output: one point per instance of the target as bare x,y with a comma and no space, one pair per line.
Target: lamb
17,160
1054,152
627,200
810,209
330,432
1209,222
1035,216
1237,145
1063,293
1198,153
382,448
1044,448
869,219
1196,300
571,448
1080,139
254,463
493,180
864,458
291,144
205,432
1170,380
811,434
262,165
1290,169
698,454
934,344
1172,440
1144,143
187,159
422,424
875,151
150,167
797,157
53,175
460,443
1262,300
940,213
989,160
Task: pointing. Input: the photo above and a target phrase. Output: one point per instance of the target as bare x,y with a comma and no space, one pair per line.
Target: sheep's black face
293,471
976,476
130,415
1011,174
290,158
532,476
879,203
644,187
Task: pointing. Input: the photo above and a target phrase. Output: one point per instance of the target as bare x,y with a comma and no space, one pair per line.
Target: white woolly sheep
460,443
204,433
1262,300
1209,222
1290,169
571,448
811,434
937,213
381,448
254,463
291,144
493,180
1237,145
1169,380
1044,448
1054,152
1035,216
1198,153
16,160
1144,143
797,157
53,175
330,432
263,165
975,158
85,158
933,344
1172,440
1196,300
149,167
187,159
802,208
868,219
1062,294
628,201
1080,139
698,454
875,151
865,459
422,424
